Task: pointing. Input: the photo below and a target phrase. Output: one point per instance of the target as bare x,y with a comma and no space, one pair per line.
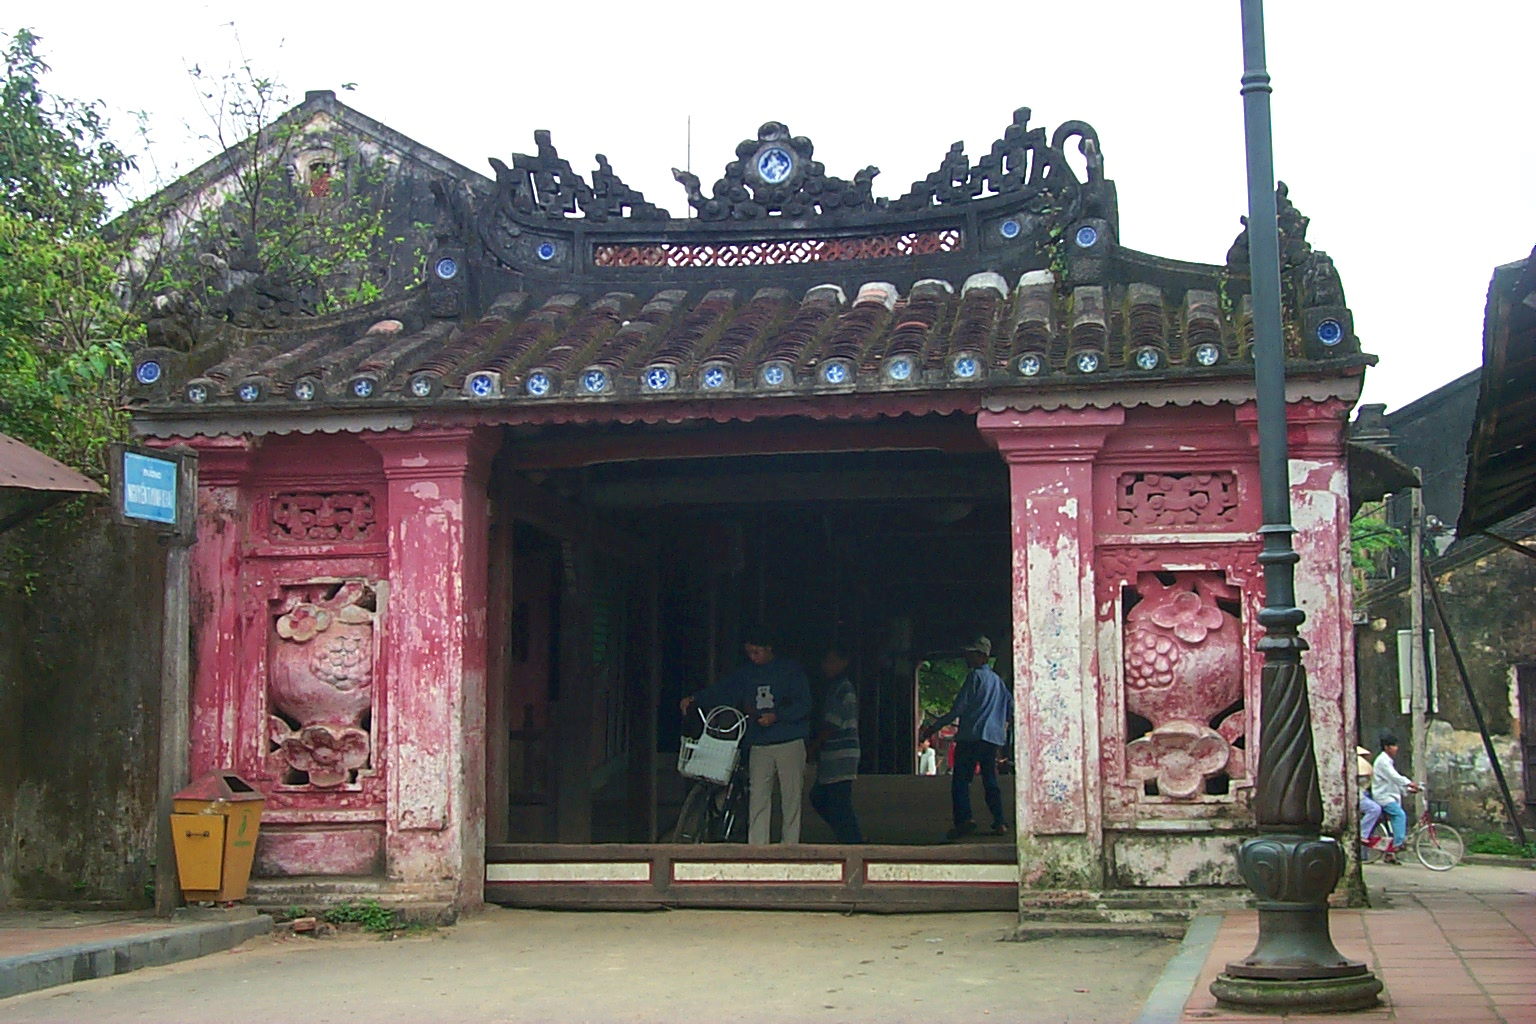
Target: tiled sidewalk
45,948
1448,957
23,933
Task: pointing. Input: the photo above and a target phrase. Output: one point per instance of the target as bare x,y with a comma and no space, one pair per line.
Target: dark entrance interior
625,564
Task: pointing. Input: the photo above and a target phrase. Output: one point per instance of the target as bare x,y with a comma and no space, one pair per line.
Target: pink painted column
1050,464
1320,514
434,630
222,466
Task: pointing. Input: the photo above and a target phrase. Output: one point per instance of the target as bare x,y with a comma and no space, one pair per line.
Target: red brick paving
1450,957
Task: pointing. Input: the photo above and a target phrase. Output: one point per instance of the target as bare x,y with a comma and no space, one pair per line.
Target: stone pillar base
1298,995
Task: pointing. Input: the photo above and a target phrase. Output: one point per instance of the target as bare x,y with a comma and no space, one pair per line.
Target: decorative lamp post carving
1290,866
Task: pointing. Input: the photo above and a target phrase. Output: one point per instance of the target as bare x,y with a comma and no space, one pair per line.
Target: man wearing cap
983,708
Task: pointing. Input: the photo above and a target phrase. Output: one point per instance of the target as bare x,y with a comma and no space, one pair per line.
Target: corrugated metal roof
31,481
22,466
1501,456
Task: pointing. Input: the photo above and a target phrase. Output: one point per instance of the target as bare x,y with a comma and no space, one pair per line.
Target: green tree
938,684
63,336
1370,538
291,223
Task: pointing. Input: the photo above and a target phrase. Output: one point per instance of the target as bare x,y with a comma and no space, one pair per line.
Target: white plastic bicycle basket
714,754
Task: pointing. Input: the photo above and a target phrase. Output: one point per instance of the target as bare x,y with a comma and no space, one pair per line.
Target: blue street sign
149,488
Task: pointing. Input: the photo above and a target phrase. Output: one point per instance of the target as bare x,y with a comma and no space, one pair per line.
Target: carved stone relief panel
1178,500
321,654
1183,676
307,517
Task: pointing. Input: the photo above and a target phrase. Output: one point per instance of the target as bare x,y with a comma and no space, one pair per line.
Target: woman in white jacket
1388,786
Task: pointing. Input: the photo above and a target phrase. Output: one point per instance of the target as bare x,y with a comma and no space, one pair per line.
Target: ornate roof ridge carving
775,185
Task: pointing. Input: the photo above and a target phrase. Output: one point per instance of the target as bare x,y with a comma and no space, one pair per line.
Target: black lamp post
1290,866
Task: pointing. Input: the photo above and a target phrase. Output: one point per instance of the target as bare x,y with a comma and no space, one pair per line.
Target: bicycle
714,810
1437,845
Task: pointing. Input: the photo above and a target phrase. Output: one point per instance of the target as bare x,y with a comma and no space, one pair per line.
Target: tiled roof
982,332
552,290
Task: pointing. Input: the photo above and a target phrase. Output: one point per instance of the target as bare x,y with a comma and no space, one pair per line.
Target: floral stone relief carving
321,683
1184,676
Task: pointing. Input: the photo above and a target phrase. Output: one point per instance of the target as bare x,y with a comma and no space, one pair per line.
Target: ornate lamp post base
1294,966
1298,995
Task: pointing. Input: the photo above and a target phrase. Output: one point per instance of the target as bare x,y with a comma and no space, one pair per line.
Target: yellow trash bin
214,823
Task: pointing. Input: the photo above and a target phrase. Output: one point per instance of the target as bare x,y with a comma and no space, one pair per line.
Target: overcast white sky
1399,127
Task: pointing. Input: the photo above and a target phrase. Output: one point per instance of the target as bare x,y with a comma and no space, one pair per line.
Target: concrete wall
79,692
1490,595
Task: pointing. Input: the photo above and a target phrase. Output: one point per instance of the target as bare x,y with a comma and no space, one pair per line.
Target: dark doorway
893,554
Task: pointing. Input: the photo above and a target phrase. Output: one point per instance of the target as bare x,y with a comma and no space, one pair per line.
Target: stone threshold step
1029,931
310,893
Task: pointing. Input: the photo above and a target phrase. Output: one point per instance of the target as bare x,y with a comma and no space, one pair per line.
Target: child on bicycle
1388,786
1370,810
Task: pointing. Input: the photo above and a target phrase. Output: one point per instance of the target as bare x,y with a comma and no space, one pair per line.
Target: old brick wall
1490,596
80,615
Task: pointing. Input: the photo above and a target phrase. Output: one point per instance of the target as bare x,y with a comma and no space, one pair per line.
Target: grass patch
368,914
1499,845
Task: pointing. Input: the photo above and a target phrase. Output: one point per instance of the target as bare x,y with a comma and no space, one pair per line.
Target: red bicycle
1437,845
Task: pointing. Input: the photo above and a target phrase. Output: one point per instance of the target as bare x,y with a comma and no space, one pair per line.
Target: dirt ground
679,966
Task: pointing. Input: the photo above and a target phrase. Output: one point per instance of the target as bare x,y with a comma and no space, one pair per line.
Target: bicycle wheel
693,820
1438,847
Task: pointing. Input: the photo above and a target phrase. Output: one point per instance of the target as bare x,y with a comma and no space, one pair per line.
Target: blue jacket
779,686
983,707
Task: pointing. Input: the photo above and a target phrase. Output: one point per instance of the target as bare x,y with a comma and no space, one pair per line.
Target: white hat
980,645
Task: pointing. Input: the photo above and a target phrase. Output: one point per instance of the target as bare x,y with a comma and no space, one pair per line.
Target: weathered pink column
222,466
1050,465
435,646
1320,514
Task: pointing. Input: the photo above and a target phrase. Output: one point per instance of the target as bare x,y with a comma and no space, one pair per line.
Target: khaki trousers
786,763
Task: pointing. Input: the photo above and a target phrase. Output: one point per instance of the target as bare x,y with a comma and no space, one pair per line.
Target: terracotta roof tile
712,343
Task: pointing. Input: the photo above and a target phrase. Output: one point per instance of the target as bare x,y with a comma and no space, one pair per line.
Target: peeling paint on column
437,654
1050,472
1320,515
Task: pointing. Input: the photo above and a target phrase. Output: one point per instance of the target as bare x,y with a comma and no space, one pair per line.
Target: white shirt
928,762
1388,784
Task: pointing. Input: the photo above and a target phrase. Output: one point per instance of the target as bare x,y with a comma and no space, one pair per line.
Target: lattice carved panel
1162,500
778,253
306,517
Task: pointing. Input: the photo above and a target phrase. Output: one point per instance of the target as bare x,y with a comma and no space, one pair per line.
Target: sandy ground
679,966
1410,876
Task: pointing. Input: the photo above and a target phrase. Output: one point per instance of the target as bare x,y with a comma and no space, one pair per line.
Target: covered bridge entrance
461,552
634,563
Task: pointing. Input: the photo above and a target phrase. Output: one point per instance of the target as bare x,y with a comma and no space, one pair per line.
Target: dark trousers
968,755
834,802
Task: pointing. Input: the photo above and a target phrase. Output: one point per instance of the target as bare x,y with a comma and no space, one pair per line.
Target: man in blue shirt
775,695
983,708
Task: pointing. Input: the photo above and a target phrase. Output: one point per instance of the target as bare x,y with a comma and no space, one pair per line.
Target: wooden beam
565,520
952,434
796,486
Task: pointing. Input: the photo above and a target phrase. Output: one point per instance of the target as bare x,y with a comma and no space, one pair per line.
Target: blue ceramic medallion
775,165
